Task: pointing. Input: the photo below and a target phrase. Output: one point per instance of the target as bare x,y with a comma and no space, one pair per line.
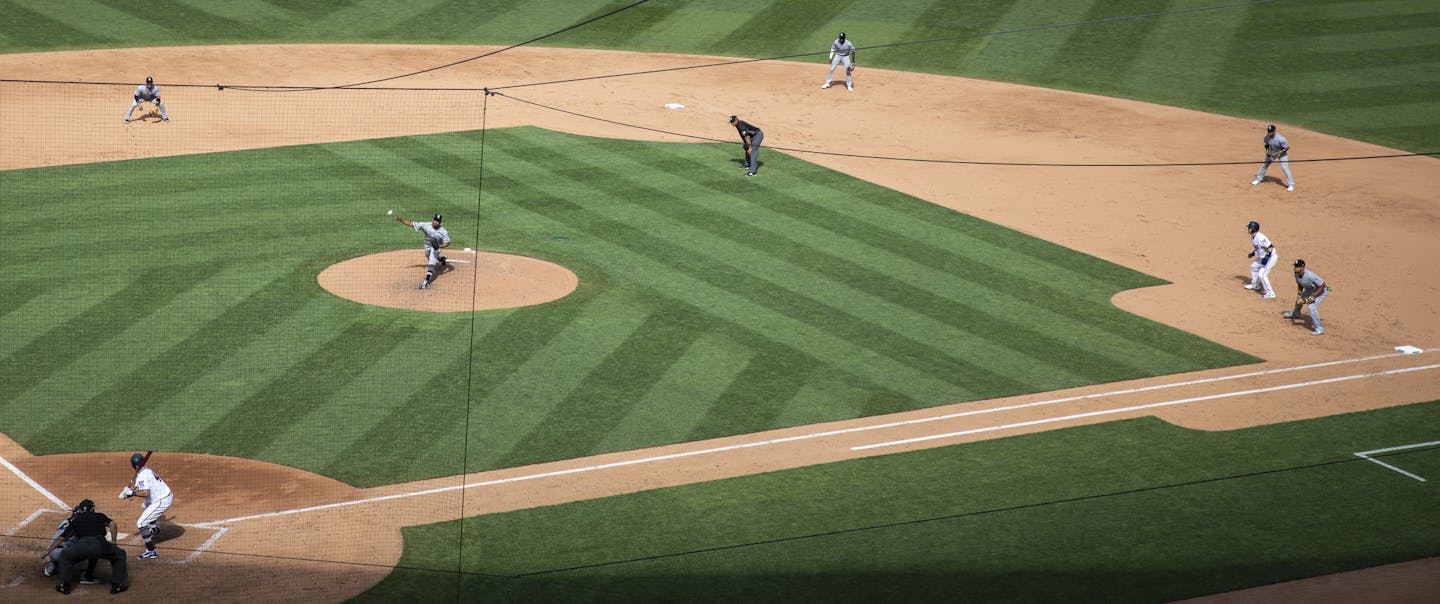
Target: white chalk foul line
895,443
774,441
1365,455
208,542
33,484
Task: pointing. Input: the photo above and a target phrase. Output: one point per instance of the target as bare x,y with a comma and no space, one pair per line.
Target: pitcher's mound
392,279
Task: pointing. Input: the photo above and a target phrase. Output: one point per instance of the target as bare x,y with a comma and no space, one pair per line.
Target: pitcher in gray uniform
841,50
436,239
1312,290
148,93
751,137
1276,147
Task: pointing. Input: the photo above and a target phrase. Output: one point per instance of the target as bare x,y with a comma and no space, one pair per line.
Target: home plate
674,106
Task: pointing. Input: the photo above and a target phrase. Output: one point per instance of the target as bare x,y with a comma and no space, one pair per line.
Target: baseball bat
145,461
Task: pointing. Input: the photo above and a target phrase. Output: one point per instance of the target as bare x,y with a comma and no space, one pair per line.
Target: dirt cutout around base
270,533
470,281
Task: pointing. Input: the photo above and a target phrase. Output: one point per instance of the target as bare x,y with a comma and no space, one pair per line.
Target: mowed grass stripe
47,356
780,24
925,279
307,384
218,316
613,387
280,346
437,406
100,20
513,409
419,357
42,306
725,294
768,265
689,384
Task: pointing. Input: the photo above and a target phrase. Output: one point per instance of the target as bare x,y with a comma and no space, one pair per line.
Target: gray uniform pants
835,62
750,162
1284,165
83,548
1314,308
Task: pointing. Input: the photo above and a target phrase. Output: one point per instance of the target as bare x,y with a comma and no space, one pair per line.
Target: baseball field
974,331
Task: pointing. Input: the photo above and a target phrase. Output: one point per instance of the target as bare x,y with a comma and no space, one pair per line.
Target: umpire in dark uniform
751,136
85,539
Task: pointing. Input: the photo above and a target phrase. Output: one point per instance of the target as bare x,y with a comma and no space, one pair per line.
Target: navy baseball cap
732,119
437,218
1271,128
149,80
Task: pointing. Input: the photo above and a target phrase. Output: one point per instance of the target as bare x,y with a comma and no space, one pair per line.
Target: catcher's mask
1252,227
137,460
85,505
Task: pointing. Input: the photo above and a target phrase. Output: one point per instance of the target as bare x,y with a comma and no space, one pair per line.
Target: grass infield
709,305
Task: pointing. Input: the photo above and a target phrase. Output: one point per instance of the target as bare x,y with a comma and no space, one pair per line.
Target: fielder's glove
1265,260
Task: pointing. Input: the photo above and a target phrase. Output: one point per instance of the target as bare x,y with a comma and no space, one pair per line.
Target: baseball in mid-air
389,212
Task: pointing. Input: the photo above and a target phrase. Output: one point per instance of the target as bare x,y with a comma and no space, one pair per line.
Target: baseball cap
437,218
1299,262
732,119
149,80
1271,128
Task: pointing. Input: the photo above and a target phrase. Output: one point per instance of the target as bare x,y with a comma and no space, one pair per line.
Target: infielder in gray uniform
1276,147
1312,290
751,137
149,93
436,239
841,50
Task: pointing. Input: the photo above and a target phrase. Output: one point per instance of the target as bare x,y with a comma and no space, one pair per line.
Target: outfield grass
710,306
1130,511
1366,70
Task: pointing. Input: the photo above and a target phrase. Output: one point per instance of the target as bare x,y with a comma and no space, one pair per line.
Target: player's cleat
1255,182
749,173
63,588
1249,286
444,261
1290,188
1288,314
118,587
148,554
49,568
1268,296
850,88
1318,331
88,580
825,85
424,285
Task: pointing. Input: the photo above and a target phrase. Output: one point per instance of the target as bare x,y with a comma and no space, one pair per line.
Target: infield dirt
1368,226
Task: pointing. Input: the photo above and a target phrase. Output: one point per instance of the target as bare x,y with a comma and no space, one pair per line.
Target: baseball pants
1260,273
751,163
1284,165
835,62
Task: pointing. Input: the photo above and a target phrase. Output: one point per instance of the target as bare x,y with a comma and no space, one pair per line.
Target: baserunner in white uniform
148,93
841,51
436,239
1264,259
157,496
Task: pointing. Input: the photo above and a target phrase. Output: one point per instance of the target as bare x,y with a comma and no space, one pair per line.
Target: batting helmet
1252,227
137,460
